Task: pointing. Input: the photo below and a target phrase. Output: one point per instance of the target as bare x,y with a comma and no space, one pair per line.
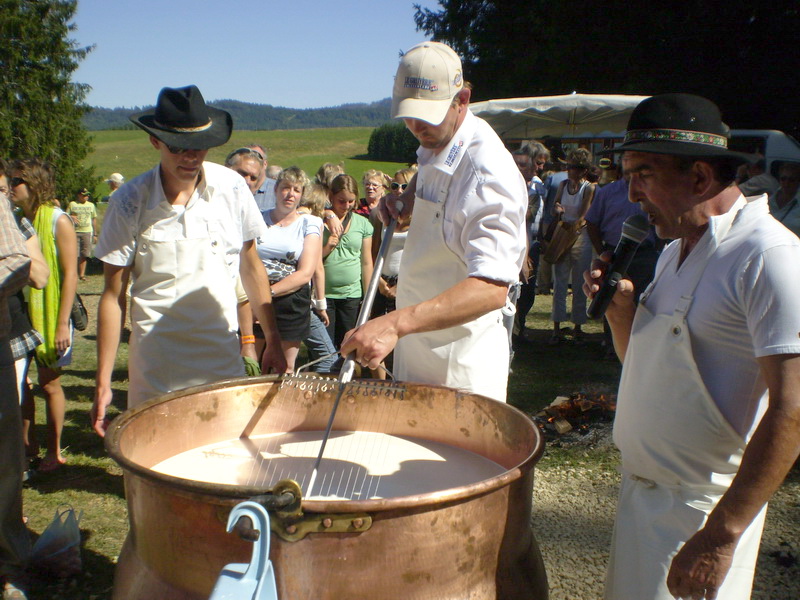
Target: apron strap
705,250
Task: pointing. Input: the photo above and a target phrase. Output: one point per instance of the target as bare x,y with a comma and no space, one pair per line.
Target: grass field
129,151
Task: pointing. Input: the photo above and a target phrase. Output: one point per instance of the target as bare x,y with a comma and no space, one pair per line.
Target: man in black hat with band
183,230
708,412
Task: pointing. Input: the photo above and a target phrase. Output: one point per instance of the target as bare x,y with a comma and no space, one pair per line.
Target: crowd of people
228,269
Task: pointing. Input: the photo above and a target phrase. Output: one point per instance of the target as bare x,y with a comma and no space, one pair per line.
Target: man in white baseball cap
114,181
466,242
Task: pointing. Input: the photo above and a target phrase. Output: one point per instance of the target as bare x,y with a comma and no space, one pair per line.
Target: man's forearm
466,301
14,273
15,265
621,323
770,454
109,327
256,285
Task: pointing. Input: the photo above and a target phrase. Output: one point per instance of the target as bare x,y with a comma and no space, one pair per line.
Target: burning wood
577,411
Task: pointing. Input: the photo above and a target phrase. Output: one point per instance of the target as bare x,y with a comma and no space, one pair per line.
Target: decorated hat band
676,135
183,129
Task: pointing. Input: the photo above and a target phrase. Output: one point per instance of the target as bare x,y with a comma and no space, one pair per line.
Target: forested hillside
247,116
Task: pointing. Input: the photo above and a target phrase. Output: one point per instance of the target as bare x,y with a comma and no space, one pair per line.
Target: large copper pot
470,542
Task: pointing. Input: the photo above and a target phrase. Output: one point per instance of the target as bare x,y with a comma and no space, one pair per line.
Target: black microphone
634,231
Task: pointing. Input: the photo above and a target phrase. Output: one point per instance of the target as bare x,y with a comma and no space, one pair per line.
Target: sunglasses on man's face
399,186
174,150
247,152
15,181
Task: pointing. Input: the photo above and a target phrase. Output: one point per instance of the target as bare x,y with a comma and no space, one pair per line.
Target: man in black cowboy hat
708,412
184,230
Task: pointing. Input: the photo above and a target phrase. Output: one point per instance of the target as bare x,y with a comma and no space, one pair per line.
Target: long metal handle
348,368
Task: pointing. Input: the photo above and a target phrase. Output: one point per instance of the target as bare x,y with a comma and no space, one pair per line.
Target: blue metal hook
256,580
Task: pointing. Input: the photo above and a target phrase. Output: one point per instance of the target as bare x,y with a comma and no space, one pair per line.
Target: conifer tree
40,106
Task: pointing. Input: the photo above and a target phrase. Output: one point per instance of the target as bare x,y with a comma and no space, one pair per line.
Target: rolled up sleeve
493,233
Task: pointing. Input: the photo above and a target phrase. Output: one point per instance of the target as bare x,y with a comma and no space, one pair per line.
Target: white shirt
484,215
746,306
571,203
391,263
280,247
536,194
222,202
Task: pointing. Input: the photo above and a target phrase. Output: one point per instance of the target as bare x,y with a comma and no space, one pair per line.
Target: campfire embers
576,412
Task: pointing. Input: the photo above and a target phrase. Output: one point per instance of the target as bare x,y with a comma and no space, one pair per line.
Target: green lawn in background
129,151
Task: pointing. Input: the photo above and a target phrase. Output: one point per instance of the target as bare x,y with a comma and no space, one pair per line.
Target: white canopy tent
571,115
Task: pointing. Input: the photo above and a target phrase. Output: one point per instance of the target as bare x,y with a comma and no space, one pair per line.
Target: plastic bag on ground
58,549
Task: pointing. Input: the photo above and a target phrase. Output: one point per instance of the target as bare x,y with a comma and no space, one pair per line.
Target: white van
776,146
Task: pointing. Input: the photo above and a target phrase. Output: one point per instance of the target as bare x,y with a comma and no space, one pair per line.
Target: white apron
679,452
183,314
473,356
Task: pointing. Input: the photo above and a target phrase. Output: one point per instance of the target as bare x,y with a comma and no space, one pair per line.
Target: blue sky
298,54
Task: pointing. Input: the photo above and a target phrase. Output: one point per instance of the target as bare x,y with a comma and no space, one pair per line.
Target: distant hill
248,116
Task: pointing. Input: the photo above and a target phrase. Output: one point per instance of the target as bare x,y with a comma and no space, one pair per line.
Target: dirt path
574,509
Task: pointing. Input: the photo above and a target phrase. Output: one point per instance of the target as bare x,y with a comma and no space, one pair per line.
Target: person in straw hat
466,241
708,411
183,229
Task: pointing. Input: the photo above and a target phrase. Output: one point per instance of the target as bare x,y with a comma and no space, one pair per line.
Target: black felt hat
182,119
678,124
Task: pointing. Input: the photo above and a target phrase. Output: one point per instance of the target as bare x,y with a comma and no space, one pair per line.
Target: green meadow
129,151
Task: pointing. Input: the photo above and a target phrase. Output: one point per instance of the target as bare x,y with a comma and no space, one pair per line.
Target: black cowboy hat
679,124
182,119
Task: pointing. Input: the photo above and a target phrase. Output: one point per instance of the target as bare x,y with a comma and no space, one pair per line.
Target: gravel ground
574,509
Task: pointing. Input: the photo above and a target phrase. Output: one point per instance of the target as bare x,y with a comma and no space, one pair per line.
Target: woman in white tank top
572,202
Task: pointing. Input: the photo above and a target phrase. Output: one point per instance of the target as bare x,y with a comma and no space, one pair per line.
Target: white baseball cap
427,80
116,178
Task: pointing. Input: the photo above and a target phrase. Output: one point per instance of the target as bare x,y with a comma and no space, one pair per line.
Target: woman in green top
347,259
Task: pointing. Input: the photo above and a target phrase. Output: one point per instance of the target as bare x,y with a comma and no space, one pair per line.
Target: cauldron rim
236,493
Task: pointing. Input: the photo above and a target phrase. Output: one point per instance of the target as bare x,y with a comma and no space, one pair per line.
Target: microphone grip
616,271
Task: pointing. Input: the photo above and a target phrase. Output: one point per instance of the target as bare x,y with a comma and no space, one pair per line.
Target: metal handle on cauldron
245,529
275,501
346,374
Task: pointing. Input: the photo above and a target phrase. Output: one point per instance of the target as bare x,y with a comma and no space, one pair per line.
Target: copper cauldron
469,542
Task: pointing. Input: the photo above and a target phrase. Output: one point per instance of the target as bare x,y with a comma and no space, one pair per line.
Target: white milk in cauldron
356,465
